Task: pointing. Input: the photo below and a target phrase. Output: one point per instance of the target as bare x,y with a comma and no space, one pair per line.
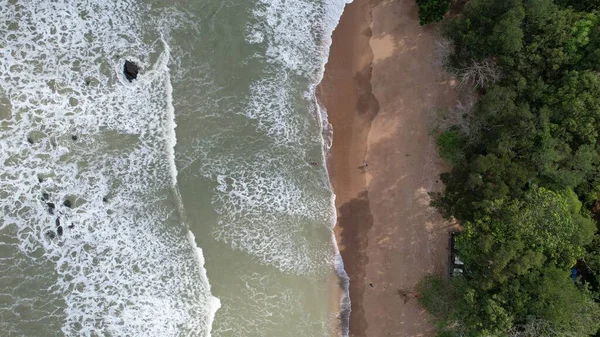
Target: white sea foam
213,303
266,303
128,267
334,15
265,212
269,204
294,45
170,124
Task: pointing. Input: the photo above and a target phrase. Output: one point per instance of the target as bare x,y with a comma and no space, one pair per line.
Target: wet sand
380,86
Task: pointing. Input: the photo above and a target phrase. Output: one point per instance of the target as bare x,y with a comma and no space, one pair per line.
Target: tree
529,163
451,144
580,5
566,307
520,235
591,264
516,256
479,74
432,10
471,190
487,28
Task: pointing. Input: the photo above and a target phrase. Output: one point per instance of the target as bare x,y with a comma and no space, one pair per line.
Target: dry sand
379,88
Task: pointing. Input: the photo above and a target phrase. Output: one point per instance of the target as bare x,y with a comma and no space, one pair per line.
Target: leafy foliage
580,5
432,10
524,182
451,144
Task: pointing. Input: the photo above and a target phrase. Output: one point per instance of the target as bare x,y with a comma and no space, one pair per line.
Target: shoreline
349,61
379,88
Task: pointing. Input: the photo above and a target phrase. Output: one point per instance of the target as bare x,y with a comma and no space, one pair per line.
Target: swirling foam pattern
125,265
270,205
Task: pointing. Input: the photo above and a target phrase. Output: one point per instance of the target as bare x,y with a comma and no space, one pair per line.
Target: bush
436,295
451,145
432,10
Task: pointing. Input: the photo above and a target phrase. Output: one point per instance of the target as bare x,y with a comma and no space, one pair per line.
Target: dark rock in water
45,196
51,207
30,140
130,70
40,179
57,222
59,230
74,137
67,203
71,226
105,199
50,234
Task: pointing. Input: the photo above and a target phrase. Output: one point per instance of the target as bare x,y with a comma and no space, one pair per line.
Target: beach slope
380,86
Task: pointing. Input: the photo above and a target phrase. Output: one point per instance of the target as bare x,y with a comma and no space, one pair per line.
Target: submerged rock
67,203
105,199
57,222
59,230
51,207
71,226
50,234
74,137
130,70
30,140
45,196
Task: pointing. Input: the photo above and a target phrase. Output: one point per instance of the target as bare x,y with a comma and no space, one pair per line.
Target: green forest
525,177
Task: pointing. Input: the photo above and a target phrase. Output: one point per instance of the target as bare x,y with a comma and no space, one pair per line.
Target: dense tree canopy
525,172
432,10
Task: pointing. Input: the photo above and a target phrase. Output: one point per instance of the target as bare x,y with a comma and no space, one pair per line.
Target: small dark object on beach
71,226
30,140
363,166
371,284
50,234
74,137
67,203
45,196
130,70
59,230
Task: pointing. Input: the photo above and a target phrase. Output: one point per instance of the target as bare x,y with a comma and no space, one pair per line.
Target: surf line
170,135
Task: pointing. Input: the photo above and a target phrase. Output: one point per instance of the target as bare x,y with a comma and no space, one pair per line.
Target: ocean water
193,201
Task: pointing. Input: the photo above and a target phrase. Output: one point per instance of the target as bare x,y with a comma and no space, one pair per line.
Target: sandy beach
381,84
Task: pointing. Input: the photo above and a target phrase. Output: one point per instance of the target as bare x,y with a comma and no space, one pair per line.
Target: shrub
451,145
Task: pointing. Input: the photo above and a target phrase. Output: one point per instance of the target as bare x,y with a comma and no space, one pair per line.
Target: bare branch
537,328
441,53
457,117
479,74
